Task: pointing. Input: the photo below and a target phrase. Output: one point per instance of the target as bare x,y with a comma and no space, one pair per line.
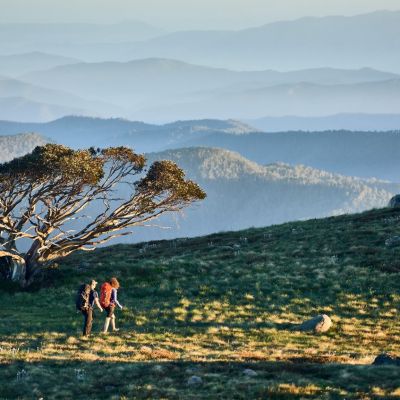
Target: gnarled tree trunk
13,269
19,270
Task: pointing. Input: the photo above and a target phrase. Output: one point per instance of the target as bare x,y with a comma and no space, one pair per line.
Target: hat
93,282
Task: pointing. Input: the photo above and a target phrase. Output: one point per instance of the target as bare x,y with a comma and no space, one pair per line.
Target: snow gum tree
46,192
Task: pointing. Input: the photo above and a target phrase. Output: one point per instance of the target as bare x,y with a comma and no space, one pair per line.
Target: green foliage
166,176
53,161
213,306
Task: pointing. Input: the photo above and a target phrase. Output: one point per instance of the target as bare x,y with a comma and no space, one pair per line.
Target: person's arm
97,302
116,299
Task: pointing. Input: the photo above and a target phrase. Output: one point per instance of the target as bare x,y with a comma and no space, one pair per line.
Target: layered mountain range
352,153
240,192
136,71
275,122
337,41
162,90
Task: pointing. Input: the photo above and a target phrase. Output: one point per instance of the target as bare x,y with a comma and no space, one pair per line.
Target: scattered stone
194,380
386,359
158,369
392,241
395,201
319,324
250,372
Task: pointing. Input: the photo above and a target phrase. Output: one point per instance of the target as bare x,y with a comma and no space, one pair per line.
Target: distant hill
241,193
17,145
346,121
20,108
23,101
172,77
18,64
363,154
86,131
309,42
70,39
303,99
162,90
337,41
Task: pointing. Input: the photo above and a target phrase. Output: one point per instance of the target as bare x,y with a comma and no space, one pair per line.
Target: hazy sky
184,14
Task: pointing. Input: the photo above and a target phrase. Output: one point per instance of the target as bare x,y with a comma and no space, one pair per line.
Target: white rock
194,380
249,372
319,324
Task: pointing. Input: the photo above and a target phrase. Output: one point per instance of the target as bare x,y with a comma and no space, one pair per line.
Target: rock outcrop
319,324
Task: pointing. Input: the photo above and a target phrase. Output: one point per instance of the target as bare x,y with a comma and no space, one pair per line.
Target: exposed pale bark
19,272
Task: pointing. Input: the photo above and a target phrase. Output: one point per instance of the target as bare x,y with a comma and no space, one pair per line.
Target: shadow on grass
228,380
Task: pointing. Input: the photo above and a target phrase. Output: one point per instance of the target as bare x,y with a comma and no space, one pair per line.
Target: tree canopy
42,192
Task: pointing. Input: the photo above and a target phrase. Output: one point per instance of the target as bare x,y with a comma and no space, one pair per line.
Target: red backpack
105,294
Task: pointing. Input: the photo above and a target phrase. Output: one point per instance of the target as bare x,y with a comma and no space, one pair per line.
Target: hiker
86,299
109,300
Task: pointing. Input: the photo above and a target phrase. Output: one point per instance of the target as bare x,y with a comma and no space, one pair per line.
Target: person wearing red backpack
109,300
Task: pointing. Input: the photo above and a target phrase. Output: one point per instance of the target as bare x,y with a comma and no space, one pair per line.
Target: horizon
179,15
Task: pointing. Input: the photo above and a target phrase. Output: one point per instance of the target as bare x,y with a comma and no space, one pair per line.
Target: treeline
13,146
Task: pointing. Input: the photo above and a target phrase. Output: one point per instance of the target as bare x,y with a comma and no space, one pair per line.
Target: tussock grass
213,306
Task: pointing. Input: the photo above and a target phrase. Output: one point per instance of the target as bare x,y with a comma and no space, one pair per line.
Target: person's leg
89,321
84,313
113,324
109,310
106,324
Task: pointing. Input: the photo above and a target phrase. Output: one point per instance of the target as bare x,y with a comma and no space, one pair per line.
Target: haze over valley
301,108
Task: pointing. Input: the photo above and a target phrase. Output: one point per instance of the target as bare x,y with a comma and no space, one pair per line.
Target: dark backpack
82,297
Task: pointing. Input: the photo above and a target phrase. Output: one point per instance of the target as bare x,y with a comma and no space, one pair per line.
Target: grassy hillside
212,307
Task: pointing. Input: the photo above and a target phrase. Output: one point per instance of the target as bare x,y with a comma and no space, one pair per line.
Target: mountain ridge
161,90
341,121
351,153
262,195
13,65
273,44
258,195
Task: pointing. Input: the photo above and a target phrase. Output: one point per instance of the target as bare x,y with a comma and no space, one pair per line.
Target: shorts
110,310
